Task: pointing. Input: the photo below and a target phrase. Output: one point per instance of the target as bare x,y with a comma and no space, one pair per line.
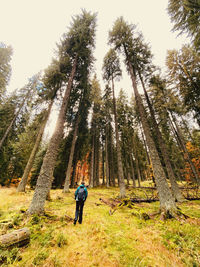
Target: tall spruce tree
77,46
112,71
95,131
47,92
124,38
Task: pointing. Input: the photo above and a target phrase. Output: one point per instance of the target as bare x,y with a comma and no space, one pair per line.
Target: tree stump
17,238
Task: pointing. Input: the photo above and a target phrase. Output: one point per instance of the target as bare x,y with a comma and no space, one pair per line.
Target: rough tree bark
111,158
97,160
19,238
74,171
69,166
167,203
103,169
175,189
107,161
45,178
92,165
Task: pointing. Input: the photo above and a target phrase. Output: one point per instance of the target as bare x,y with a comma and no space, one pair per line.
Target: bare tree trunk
138,171
69,166
119,157
103,169
167,203
135,152
175,189
187,128
147,153
23,182
46,173
145,145
132,171
92,165
111,158
128,177
107,162
97,161
74,171
181,140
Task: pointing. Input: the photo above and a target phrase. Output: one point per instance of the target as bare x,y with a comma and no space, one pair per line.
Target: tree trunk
147,153
175,189
103,165
92,165
132,171
74,171
111,158
135,152
187,128
107,161
19,238
145,145
97,160
167,203
46,173
181,140
119,156
22,185
128,177
138,171
69,166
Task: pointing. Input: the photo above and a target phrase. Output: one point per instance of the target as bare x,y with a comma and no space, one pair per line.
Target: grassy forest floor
125,238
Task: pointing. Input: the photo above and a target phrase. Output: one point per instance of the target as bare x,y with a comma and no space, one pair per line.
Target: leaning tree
124,39
77,47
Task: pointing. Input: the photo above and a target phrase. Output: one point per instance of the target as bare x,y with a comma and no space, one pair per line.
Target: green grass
124,238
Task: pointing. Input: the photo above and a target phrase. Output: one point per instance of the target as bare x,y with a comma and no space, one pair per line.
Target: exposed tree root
115,204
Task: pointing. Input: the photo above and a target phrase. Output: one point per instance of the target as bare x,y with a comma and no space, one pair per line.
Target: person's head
83,183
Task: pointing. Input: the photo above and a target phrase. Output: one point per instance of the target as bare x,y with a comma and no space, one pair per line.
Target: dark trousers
79,211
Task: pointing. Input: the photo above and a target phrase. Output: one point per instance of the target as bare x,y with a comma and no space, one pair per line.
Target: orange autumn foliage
195,157
82,170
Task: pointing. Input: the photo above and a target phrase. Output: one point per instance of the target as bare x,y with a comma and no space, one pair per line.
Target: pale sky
32,28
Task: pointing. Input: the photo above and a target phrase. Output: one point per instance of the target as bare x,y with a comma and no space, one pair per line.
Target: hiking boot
80,222
74,222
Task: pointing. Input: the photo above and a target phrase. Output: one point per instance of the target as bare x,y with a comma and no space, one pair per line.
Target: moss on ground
126,238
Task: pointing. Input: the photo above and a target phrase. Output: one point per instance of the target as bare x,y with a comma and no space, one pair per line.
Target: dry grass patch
123,239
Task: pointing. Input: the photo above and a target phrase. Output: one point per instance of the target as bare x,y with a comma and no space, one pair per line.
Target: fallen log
111,203
192,198
17,238
138,200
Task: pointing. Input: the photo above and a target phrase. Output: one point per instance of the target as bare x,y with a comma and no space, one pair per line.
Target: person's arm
86,193
76,192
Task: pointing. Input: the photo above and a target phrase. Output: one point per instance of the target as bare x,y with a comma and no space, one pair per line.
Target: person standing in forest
80,197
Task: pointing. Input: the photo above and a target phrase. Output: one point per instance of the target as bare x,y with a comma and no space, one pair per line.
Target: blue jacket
86,192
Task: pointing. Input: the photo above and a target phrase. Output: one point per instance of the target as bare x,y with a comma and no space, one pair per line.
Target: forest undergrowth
119,236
